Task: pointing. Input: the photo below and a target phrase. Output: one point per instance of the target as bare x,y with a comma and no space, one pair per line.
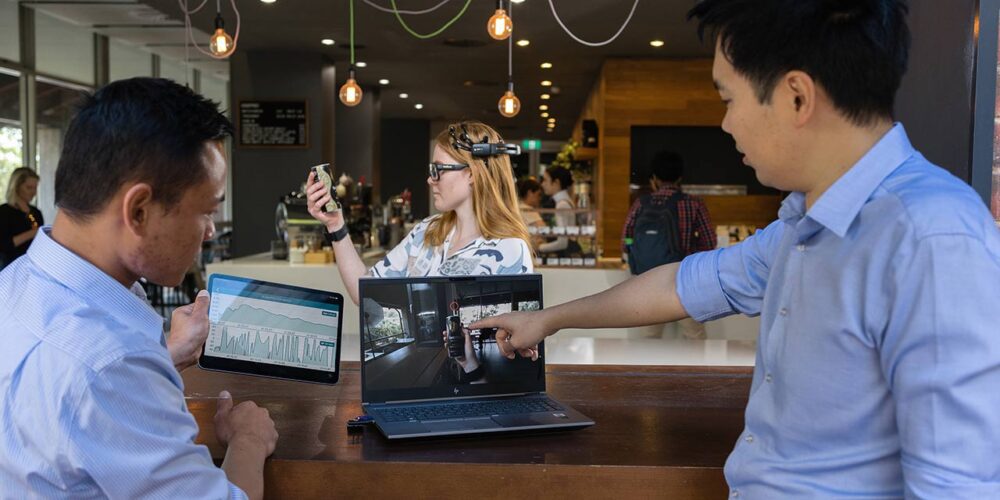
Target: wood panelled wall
640,92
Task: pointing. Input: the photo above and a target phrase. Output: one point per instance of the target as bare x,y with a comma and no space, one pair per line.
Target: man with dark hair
878,288
671,226
92,399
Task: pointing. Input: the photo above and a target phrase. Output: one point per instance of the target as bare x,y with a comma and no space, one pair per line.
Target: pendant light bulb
509,104
350,92
500,27
221,44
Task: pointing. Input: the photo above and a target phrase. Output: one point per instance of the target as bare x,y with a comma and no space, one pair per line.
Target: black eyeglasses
436,168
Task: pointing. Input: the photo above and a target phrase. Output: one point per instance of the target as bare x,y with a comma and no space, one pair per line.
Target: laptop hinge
462,398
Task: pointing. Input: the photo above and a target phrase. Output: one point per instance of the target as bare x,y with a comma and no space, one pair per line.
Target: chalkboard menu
273,123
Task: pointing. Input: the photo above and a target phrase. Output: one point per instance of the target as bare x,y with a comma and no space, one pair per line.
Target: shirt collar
87,281
560,196
476,243
837,208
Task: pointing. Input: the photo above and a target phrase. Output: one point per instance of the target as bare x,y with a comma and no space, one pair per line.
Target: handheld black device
456,339
482,148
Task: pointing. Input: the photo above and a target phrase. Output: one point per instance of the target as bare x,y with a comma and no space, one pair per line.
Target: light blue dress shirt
92,406
878,362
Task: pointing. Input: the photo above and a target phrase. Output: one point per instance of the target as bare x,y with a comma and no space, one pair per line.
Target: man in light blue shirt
91,399
878,360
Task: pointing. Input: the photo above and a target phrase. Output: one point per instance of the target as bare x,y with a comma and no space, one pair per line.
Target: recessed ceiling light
546,83
656,43
327,41
404,95
523,43
268,1
517,1
548,130
361,64
418,106
384,81
546,65
552,120
543,107
545,114
545,96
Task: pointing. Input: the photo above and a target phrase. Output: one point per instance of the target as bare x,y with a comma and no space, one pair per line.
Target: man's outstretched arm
647,299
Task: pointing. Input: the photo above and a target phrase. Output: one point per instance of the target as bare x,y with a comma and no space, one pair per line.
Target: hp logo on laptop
456,391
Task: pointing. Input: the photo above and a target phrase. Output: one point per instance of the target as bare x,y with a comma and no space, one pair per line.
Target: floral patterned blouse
482,256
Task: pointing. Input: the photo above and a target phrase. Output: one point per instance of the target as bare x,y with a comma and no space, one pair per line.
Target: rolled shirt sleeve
729,280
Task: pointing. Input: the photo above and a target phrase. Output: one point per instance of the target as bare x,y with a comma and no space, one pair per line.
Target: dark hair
142,129
527,185
667,166
561,174
855,49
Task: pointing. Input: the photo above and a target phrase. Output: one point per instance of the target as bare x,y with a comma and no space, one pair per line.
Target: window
63,49
217,90
531,305
385,336
10,35
472,314
56,103
11,135
126,61
176,71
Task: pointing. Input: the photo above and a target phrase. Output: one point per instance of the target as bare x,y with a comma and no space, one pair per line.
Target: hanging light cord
409,12
593,44
190,33
395,11
352,33
510,45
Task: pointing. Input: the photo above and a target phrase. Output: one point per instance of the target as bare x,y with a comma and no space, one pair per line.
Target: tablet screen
272,329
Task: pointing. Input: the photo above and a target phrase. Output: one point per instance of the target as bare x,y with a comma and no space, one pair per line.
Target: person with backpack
667,225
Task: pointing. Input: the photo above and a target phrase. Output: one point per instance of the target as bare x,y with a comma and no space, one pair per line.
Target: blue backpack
656,238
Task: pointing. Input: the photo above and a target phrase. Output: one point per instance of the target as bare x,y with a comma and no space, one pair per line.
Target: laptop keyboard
466,410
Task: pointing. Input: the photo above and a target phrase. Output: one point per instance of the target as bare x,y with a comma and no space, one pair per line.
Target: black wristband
337,235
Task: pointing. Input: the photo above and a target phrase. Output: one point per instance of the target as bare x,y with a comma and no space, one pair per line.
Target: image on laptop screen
416,343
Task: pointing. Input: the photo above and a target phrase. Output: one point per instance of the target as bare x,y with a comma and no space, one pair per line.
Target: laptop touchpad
457,425
530,419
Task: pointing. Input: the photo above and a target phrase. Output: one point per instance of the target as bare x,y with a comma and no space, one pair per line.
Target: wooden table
662,432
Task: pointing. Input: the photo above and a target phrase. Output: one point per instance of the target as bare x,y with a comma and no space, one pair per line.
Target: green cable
395,11
352,33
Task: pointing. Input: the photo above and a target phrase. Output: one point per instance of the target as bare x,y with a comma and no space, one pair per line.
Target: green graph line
395,11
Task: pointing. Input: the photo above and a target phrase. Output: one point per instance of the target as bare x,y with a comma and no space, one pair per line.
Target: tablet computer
273,330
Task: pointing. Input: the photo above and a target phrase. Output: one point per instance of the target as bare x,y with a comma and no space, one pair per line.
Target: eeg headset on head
482,149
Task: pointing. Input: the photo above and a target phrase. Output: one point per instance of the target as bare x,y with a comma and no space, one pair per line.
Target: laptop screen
415,342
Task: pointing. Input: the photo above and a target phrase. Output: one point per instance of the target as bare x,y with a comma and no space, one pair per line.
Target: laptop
424,374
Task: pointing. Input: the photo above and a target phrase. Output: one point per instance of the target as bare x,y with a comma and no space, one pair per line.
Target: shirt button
768,378
783,312
749,438
800,247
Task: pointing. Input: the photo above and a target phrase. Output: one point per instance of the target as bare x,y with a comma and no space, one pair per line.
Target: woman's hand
318,197
469,362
